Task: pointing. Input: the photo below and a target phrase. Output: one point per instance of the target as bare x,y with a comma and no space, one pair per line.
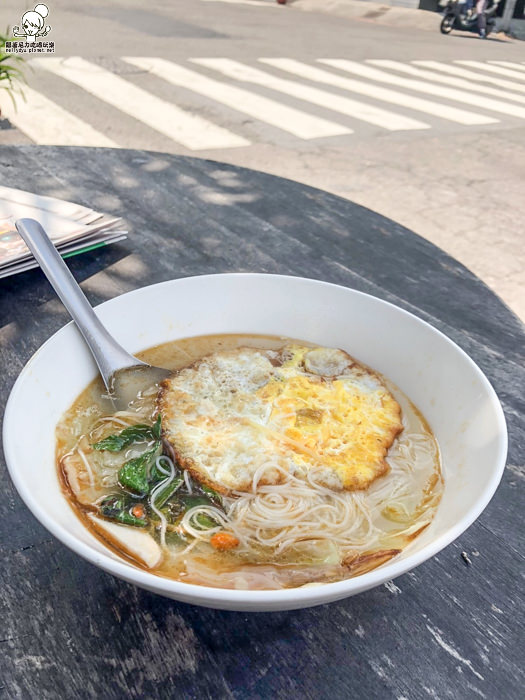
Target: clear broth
205,566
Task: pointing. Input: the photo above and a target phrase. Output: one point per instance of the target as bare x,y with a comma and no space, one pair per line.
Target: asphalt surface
458,184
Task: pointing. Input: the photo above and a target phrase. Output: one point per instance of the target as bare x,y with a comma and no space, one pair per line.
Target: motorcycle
455,17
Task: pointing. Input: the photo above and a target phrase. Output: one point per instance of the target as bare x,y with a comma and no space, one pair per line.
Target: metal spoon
124,375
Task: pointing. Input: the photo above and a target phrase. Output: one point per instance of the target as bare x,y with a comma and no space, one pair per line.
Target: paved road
426,129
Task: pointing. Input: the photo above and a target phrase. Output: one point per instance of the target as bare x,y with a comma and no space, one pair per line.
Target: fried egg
234,413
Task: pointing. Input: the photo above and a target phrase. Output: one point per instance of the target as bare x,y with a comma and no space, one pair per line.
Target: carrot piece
138,510
223,541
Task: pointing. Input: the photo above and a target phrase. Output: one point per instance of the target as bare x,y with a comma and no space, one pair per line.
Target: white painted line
420,86
419,104
48,124
508,64
480,65
470,75
344,105
191,131
294,121
303,70
447,80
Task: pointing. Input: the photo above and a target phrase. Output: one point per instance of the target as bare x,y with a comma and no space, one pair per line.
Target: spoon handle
108,354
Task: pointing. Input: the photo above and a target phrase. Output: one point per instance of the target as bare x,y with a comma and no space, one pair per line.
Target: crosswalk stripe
48,124
447,80
419,104
191,131
508,64
493,69
420,86
344,105
288,119
316,74
470,75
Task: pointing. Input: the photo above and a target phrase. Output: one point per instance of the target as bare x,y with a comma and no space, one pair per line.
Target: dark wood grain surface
449,629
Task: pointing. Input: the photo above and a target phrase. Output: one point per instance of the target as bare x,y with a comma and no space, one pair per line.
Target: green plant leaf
166,493
135,433
10,74
118,508
134,475
157,427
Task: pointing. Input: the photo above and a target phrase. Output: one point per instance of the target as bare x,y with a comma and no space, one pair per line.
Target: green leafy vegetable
163,497
140,475
116,443
181,503
156,475
11,67
118,508
157,427
192,501
212,495
134,475
135,433
205,521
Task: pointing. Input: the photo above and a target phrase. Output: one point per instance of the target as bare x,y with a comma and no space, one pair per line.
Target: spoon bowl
124,375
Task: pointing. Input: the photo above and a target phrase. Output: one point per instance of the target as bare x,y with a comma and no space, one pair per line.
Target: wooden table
449,629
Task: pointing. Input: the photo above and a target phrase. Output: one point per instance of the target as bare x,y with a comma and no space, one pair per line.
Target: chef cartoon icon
33,24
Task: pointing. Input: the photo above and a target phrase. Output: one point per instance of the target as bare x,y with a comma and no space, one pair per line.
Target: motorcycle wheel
447,24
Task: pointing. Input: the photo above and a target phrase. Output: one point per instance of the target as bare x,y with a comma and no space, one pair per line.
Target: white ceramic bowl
446,385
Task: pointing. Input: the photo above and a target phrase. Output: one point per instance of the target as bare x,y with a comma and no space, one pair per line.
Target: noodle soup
303,468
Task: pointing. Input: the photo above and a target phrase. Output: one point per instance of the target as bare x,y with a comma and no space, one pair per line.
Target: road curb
380,13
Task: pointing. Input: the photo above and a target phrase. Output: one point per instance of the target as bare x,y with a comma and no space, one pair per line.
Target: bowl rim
294,597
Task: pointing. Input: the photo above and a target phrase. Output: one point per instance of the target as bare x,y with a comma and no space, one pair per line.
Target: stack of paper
73,229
